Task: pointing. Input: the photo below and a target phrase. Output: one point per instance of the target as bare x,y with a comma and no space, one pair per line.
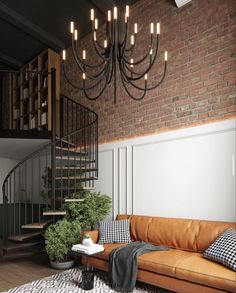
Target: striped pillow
114,232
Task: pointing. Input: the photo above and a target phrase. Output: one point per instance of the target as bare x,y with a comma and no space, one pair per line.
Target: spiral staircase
62,171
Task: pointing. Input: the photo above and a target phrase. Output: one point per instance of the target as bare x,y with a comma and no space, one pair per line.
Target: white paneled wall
188,173
5,166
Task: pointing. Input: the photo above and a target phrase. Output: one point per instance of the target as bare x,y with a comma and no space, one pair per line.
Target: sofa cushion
107,250
199,270
223,249
185,234
114,232
163,262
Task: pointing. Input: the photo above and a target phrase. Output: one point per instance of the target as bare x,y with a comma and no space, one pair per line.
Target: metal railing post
53,146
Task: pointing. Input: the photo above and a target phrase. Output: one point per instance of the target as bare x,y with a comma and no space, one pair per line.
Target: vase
87,241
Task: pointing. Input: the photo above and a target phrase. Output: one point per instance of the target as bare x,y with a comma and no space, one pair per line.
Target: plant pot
62,265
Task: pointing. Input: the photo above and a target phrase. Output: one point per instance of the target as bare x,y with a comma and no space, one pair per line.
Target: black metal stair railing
39,183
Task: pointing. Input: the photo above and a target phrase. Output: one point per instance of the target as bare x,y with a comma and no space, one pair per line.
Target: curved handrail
58,139
84,137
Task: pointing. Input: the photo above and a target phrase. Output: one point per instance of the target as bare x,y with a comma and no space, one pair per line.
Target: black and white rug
67,282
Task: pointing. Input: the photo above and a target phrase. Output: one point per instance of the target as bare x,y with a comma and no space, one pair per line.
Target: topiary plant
94,208
60,237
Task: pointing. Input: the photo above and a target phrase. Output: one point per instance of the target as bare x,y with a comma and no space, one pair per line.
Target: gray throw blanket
123,264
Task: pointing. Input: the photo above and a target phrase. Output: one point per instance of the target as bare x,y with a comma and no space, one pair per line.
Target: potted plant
93,209
87,240
59,239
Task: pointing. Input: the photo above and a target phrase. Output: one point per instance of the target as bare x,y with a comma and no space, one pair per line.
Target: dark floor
16,272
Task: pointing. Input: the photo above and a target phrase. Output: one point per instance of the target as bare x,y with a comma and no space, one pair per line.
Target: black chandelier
116,52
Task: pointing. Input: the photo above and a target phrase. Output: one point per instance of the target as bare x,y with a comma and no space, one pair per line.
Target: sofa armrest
94,234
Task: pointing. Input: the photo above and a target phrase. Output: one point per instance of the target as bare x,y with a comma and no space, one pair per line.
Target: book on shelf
32,123
45,82
26,93
16,114
93,248
44,118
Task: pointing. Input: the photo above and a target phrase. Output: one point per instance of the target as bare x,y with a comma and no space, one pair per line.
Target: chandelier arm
93,77
145,56
123,43
110,73
83,62
125,67
108,32
96,45
77,86
96,97
139,75
128,92
152,87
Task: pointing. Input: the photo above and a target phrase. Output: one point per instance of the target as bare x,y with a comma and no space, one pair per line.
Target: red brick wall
200,86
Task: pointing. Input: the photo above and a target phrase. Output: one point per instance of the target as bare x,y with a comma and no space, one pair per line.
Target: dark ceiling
27,27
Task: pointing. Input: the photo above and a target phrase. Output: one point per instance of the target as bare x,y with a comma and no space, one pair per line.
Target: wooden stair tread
71,149
54,213
66,142
76,168
76,178
71,158
74,199
39,225
17,246
72,188
24,237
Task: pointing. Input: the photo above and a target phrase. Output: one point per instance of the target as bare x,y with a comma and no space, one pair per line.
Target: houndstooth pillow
114,232
223,249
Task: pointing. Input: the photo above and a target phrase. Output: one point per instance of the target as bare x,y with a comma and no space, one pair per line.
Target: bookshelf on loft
31,98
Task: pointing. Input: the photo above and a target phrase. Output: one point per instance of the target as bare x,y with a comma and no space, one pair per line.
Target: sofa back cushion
185,234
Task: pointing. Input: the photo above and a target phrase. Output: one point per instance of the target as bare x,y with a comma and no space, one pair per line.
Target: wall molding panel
186,173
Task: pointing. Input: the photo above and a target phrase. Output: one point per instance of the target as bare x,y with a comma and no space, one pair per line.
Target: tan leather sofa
182,268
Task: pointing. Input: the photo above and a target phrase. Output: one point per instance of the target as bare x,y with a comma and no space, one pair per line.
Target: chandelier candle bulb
165,57
135,28
150,52
96,24
127,11
131,61
84,54
158,28
76,35
84,76
92,14
64,55
115,13
105,43
109,15
145,76
132,40
72,27
152,28
95,36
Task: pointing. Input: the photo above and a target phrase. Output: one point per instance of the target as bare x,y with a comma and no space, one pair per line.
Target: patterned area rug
67,282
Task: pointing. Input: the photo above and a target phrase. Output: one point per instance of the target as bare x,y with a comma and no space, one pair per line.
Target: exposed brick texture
200,86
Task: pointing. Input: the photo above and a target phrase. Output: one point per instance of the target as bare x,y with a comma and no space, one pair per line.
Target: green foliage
93,209
60,237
